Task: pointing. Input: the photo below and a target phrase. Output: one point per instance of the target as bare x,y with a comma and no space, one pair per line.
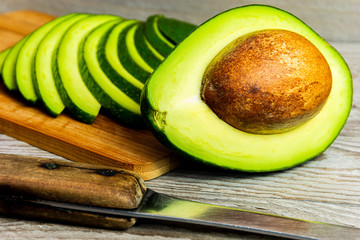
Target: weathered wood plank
325,189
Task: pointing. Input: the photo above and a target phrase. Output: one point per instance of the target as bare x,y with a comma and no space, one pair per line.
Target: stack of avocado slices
84,62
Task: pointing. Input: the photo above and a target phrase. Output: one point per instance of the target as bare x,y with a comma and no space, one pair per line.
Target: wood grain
104,142
325,189
23,22
65,181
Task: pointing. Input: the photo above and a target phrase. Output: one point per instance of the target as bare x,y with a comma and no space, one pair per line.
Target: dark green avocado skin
147,113
143,49
127,61
175,30
154,40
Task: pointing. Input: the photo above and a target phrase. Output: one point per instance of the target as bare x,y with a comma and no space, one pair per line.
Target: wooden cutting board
104,142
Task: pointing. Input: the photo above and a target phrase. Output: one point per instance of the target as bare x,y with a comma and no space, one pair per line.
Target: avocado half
172,107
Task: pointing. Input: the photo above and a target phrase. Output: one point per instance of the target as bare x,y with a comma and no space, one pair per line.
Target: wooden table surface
325,189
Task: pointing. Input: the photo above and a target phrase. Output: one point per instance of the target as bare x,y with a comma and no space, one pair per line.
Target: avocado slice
120,105
111,65
155,36
73,91
175,113
8,68
129,57
147,52
25,60
3,55
45,68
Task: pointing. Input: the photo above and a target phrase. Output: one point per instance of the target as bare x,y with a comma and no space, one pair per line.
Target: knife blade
114,197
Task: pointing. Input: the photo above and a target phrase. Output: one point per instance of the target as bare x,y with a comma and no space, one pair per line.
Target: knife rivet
50,166
106,172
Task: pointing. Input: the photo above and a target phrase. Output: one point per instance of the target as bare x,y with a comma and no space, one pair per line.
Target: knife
111,197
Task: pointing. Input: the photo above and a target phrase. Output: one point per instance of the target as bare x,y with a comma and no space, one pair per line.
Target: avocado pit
266,82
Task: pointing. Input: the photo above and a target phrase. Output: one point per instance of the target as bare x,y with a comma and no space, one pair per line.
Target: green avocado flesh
74,92
147,52
119,104
155,36
3,55
129,56
25,60
113,67
8,70
173,110
45,70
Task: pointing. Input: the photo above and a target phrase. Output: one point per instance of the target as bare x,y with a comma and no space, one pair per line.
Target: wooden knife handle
66,181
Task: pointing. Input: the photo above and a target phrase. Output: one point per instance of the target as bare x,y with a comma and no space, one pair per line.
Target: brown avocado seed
266,82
